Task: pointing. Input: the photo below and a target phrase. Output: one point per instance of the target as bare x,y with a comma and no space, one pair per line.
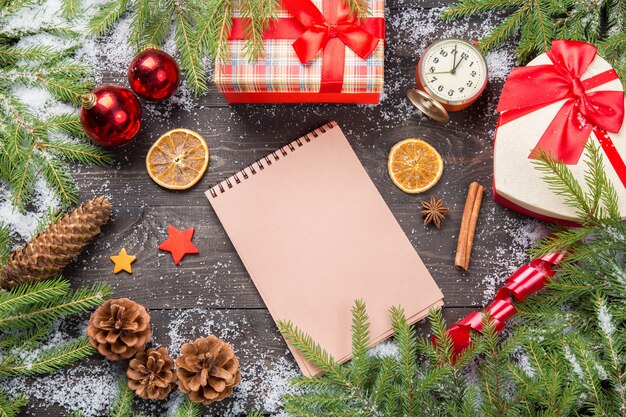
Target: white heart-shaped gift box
518,184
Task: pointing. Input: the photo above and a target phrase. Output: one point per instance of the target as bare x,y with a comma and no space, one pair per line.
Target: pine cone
119,328
208,370
51,250
151,374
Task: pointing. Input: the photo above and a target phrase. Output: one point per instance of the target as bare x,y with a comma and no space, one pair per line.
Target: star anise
434,211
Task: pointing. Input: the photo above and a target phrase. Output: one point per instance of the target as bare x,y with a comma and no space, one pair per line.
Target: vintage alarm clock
450,75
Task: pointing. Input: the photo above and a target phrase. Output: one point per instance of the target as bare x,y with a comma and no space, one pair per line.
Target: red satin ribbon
530,88
527,280
329,32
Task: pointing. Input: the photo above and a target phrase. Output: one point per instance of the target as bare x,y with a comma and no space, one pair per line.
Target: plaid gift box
343,62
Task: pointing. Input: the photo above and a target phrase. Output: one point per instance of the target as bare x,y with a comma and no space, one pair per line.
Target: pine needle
187,408
10,407
123,404
5,243
107,16
42,313
186,42
54,358
32,293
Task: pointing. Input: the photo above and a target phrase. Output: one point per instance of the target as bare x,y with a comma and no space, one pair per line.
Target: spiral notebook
315,235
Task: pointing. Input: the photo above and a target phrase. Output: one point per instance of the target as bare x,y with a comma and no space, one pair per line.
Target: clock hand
456,66
453,60
441,72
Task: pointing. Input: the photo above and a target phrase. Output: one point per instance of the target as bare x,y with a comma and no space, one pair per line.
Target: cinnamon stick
468,225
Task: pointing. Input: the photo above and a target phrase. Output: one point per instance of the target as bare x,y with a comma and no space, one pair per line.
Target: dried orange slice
414,165
178,159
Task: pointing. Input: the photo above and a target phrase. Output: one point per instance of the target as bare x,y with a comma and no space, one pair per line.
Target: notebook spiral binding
266,161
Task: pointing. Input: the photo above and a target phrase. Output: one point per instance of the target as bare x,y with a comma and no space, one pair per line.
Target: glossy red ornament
111,115
154,75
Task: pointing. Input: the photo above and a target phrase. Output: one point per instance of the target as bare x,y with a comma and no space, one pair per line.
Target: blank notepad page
315,234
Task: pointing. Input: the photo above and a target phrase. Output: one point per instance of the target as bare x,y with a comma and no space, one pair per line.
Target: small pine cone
151,374
51,250
119,328
208,370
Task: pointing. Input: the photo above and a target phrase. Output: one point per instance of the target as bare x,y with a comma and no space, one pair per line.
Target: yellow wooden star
122,262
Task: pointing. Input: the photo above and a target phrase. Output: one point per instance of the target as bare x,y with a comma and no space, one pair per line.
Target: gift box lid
518,184
281,71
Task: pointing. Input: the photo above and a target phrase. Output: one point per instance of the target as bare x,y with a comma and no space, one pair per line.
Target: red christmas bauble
154,75
111,115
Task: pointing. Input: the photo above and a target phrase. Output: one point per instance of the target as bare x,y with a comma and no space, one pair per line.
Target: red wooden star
179,243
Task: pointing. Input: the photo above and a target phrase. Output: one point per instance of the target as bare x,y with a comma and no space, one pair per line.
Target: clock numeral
472,63
454,51
469,83
434,79
440,88
473,73
461,89
431,69
450,92
436,60
464,55
443,53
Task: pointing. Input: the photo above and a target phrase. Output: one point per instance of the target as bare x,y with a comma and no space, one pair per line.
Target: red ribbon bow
530,88
329,32
319,30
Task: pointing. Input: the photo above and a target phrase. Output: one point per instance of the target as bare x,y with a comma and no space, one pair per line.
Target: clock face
453,71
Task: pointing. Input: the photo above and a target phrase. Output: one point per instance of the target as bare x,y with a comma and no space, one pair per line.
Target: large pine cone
208,370
119,328
151,374
51,250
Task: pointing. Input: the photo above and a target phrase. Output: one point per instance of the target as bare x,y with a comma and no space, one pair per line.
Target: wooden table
213,288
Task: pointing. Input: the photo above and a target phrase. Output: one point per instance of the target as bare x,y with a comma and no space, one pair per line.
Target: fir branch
50,217
10,407
32,293
123,404
54,358
561,181
11,54
360,343
68,124
504,30
214,25
359,9
253,414
5,243
70,8
78,152
259,14
466,8
43,313
595,179
22,179
187,408
107,16
186,42
157,25
405,338
16,343
313,352
140,21
59,179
